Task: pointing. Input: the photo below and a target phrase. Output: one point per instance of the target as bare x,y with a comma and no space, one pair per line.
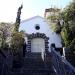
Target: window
37,27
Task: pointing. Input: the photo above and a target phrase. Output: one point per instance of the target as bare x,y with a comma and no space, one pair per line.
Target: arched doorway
37,45
35,41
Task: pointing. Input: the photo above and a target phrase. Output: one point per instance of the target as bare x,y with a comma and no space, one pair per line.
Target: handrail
67,63
64,61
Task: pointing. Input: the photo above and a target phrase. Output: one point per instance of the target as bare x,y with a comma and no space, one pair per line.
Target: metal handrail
64,61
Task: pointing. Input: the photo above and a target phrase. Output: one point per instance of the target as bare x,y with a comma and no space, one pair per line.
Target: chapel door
37,45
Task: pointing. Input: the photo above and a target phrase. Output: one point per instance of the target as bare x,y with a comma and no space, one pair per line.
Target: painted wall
29,27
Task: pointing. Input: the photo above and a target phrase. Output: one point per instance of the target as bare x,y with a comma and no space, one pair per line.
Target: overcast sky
8,8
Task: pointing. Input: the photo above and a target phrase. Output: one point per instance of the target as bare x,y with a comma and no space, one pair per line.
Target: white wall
29,27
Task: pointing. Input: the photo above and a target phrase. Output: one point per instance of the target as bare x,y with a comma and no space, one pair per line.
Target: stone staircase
34,65
33,61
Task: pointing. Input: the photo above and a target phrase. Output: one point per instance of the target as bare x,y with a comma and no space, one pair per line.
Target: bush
17,42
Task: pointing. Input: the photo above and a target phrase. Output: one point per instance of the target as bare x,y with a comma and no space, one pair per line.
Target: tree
54,20
5,32
18,18
17,41
64,34
68,31
69,27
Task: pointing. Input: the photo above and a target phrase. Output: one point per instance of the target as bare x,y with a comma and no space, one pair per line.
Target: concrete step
33,72
33,55
33,65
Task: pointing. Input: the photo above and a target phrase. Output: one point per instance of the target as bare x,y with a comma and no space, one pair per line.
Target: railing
61,66
5,64
2,65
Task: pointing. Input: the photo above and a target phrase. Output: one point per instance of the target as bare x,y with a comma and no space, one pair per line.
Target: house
52,12
40,35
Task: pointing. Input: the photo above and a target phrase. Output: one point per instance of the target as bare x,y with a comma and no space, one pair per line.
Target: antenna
51,3
21,2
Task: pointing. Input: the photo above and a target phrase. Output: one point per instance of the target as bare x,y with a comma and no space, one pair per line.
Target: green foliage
64,35
53,26
68,30
16,28
54,19
5,32
17,41
72,46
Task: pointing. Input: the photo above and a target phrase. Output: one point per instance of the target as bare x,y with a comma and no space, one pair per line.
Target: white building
40,36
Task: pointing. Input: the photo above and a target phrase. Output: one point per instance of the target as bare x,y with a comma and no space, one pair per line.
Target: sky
8,8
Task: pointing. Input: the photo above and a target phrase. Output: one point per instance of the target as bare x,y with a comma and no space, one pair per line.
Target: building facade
40,36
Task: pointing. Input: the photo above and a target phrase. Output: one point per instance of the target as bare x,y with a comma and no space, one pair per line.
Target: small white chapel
40,36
